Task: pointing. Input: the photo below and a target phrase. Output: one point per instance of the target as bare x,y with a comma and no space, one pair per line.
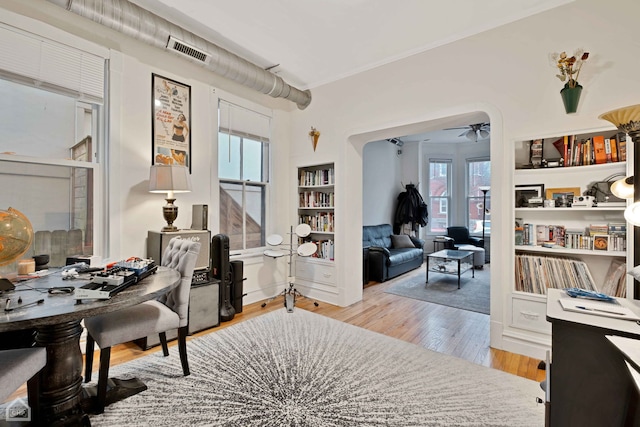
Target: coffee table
450,261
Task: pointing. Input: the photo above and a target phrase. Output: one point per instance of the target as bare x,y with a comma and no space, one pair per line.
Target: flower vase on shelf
570,97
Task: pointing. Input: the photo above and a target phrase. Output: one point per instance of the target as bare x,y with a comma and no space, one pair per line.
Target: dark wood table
589,382
63,399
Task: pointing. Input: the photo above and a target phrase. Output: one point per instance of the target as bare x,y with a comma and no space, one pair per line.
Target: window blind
50,64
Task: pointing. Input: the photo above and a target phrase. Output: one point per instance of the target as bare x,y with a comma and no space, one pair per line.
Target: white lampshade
483,133
623,188
169,179
632,214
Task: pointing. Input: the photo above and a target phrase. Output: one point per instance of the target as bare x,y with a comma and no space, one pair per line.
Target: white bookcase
567,257
316,207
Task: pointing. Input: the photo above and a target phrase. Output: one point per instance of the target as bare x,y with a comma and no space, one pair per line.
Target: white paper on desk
598,308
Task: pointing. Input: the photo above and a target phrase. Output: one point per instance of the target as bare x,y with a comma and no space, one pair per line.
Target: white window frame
267,203
446,199
50,59
469,199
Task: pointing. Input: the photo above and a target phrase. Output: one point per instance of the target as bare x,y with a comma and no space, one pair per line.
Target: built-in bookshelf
316,197
561,238
316,207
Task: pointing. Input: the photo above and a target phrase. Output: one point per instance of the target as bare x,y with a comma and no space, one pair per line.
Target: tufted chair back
181,255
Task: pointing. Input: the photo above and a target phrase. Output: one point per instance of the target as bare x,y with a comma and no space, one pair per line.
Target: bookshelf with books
316,207
557,244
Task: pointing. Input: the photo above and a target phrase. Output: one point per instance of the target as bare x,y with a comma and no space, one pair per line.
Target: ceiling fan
475,131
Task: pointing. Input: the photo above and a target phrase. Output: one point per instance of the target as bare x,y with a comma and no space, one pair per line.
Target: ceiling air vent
190,51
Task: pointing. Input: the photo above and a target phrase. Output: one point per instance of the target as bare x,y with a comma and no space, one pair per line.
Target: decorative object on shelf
569,70
565,195
315,135
485,211
603,193
304,250
526,192
169,179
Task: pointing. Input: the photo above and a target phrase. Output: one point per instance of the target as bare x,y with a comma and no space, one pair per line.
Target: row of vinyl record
536,273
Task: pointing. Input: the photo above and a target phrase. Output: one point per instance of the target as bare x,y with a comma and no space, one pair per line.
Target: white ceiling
317,42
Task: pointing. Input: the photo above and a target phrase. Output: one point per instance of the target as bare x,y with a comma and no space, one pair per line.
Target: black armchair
461,236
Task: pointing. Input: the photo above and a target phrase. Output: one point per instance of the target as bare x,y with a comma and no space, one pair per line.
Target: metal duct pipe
136,22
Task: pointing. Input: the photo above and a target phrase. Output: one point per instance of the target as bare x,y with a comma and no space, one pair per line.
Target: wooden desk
57,324
589,383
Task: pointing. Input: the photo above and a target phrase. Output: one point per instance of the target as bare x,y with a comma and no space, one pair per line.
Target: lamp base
170,213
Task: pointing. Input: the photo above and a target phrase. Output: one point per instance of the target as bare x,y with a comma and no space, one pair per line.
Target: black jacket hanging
411,209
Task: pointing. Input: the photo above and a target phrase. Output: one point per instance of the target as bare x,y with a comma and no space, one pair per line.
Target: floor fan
304,250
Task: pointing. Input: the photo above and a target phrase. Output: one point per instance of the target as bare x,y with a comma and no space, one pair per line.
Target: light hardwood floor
459,333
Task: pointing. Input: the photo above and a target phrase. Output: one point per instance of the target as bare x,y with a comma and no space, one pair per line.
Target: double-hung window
243,172
478,209
51,163
439,195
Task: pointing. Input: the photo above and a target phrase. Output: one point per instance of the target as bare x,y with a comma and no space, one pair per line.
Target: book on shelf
614,149
596,229
600,149
622,147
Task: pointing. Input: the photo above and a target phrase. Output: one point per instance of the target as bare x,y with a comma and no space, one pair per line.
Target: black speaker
221,270
237,272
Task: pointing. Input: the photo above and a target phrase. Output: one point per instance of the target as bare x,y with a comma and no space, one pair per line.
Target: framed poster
171,125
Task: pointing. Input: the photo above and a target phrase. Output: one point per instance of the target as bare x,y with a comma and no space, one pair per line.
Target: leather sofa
386,260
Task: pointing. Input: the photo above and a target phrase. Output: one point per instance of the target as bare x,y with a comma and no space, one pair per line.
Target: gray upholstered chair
151,317
21,366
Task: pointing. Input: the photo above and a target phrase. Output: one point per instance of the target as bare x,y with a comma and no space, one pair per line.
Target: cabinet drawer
530,315
317,273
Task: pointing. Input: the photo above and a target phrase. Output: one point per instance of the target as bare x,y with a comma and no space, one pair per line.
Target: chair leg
33,393
88,358
182,347
163,341
103,379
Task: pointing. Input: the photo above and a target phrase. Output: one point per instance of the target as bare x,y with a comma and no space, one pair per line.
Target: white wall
132,209
382,178
504,72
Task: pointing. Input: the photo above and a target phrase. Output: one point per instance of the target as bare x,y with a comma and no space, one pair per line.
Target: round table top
61,308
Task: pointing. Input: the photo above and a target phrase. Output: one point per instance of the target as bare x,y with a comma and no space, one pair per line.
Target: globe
16,235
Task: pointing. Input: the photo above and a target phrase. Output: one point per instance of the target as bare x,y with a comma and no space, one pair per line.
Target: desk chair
21,366
151,317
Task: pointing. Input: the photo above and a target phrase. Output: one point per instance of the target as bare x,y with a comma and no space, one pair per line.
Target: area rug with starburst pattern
304,369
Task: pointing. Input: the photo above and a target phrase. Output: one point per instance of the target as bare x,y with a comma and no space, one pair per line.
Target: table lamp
169,179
